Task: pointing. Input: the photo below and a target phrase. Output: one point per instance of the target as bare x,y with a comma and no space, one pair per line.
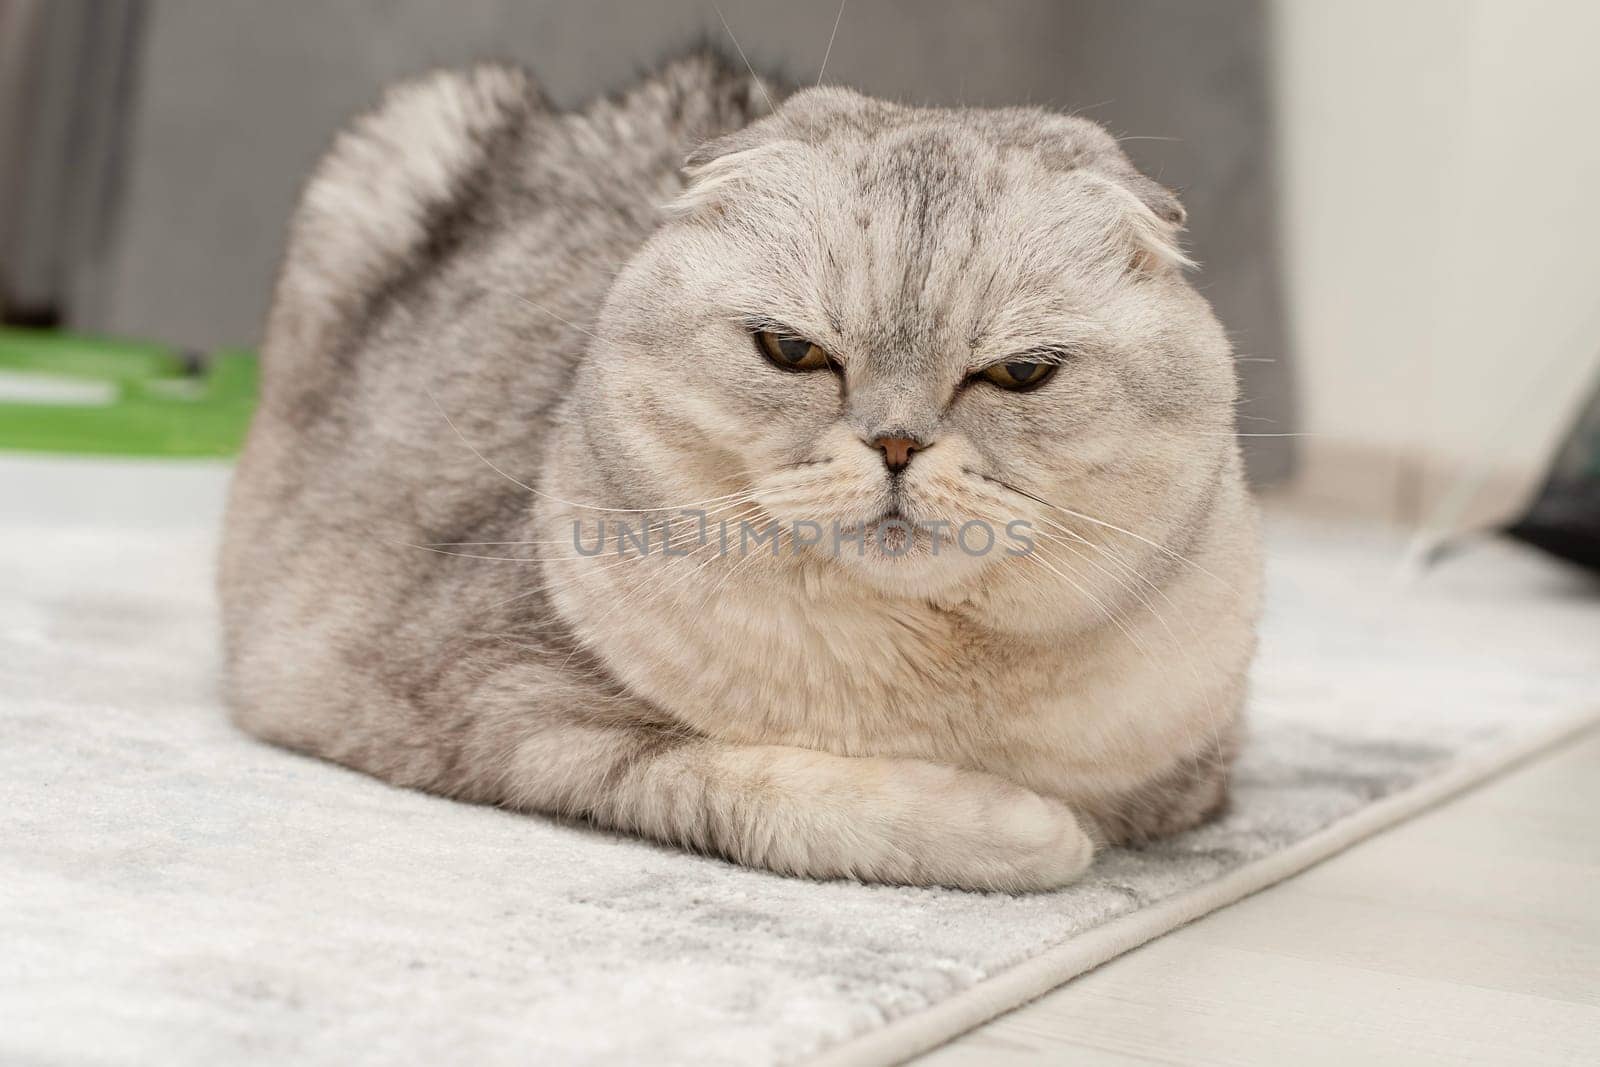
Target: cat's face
912,328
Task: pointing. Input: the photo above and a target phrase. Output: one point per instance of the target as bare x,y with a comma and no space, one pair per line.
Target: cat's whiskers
470,555
1226,434
1184,650
1213,715
1110,614
1216,754
652,588
698,513
721,583
771,107
829,50
1107,525
690,506
546,586
701,537
1054,540
561,319
811,174
621,560
1127,728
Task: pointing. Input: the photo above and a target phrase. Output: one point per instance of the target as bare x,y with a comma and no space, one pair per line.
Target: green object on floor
64,393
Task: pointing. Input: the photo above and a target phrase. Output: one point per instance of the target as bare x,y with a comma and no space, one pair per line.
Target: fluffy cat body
498,328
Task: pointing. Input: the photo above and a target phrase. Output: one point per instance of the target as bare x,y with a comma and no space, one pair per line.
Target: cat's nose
896,450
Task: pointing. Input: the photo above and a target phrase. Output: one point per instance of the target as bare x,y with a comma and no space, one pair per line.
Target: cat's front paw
1040,841
902,821
976,831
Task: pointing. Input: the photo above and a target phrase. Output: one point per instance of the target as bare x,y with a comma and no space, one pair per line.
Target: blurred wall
1439,171
239,98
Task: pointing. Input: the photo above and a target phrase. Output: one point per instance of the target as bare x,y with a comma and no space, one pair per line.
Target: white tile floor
1470,934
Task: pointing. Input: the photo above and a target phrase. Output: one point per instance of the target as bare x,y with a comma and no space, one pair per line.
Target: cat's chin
903,557
913,571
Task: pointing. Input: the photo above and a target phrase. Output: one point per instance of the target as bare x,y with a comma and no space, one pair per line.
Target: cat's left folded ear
1160,200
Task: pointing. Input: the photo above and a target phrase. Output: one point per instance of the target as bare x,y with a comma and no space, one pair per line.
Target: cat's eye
1018,375
790,352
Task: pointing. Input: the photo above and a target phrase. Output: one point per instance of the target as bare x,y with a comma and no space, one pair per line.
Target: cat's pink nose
896,451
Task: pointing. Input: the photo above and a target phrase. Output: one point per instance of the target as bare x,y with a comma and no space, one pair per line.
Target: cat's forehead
934,236
928,228
832,162
841,118
897,283
831,143
944,162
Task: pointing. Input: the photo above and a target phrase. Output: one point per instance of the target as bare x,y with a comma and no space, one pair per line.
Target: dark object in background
1565,517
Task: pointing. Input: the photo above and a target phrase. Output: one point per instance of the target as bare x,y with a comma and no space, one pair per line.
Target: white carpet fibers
172,891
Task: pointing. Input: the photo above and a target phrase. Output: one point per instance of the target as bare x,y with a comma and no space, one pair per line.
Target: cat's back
441,268
448,210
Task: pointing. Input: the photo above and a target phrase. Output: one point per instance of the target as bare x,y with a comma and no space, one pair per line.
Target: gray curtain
66,76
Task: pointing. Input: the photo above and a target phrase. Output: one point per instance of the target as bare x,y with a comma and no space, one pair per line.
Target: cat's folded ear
806,116
1163,202
710,151
1145,216
773,145
717,167
1153,229
718,163
1146,221
1136,221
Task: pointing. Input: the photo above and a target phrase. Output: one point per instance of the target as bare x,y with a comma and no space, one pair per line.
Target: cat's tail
380,206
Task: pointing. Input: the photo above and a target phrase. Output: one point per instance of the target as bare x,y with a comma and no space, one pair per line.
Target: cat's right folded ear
710,151
806,116
773,145
716,167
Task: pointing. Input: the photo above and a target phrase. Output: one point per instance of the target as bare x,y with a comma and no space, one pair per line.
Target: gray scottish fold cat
800,380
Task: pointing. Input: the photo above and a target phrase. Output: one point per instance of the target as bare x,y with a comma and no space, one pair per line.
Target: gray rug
173,892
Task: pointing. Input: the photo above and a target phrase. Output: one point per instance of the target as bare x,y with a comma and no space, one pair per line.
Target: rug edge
992,997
